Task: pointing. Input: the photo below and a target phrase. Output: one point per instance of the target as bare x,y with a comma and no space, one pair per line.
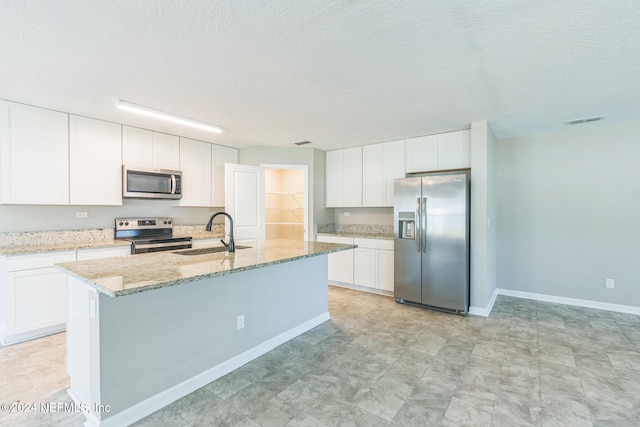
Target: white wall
569,210
15,218
483,216
378,216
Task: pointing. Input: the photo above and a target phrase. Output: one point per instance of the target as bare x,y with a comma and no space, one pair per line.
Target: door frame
305,168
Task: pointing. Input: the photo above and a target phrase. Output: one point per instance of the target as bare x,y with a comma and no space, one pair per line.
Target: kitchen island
145,330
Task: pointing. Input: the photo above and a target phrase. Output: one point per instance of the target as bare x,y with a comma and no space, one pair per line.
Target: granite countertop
144,272
361,235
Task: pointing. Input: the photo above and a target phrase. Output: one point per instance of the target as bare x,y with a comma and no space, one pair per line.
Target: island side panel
155,340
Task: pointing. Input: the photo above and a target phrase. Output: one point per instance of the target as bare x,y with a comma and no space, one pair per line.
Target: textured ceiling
336,72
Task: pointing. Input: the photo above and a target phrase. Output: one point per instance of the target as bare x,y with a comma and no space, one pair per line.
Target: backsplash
36,238
355,228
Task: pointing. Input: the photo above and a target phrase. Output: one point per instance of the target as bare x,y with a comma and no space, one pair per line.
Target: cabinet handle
417,225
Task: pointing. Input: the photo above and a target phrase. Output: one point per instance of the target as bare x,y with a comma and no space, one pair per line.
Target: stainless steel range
150,235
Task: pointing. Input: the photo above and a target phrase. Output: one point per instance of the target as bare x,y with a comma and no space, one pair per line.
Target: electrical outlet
82,214
347,214
240,322
609,283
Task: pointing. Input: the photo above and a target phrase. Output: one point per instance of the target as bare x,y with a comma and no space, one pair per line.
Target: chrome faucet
231,245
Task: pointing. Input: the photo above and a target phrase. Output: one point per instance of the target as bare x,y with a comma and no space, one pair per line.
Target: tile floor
379,363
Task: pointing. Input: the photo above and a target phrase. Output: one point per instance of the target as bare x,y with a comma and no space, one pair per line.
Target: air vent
302,142
585,120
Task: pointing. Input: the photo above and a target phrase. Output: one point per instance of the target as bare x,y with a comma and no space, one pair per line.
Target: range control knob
126,223
169,222
165,222
120,223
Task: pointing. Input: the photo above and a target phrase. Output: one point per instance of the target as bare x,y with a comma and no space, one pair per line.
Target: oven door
159,245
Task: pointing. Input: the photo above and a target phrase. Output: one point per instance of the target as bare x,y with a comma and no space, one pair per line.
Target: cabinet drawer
374,243
87,254
28,262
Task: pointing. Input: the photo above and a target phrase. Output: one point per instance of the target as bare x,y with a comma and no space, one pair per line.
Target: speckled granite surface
367,231
144,272
33,242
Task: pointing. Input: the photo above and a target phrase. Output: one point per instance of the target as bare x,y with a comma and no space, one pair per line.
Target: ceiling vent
585,120
302,142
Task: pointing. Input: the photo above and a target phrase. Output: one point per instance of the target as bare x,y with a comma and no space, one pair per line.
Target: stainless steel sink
202,251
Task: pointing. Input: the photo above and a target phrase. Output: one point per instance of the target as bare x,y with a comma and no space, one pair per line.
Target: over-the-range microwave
146,183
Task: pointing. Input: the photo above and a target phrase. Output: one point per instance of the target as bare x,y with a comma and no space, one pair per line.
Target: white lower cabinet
370,265
34,296
374,264
33,293
340,263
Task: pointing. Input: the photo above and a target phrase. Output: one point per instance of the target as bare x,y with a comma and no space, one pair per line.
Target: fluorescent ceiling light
146,111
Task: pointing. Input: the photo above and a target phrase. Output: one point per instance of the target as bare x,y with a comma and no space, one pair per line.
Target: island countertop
144,272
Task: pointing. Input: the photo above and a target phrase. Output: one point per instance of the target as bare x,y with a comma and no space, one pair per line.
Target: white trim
571,301
361,288
31,335
162,399
485,312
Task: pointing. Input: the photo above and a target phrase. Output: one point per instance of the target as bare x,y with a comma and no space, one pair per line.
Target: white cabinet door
381,165
352,181
166,151
373,180
384,270
144,148
244,201
219,156
40,299
343,172
334,176
340,263
95,162
195,164
137,147
422,154
394,167
454,150
34,155
364,267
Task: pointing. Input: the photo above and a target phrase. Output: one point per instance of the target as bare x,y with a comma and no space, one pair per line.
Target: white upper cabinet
166,151
34,155
454,150
344,178
219,156
144,148
195,164
445,151
381,165
95,162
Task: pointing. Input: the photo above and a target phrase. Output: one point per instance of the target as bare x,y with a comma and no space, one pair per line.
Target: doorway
286,201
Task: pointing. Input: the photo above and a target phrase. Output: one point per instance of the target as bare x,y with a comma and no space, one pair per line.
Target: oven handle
159,245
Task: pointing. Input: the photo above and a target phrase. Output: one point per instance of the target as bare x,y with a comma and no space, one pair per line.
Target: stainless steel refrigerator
431,241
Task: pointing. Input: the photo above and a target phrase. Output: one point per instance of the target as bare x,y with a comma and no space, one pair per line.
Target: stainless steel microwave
145,183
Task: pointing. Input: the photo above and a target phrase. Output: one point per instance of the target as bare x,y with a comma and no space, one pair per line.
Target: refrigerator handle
417,225
423,226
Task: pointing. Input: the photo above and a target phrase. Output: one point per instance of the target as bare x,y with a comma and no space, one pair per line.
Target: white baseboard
628,309
160,400
27,336
361,288
484,311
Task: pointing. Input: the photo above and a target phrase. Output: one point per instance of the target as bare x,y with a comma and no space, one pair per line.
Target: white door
244,201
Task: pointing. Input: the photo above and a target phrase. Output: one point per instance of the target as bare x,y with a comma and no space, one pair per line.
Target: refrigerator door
407,233
445,245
